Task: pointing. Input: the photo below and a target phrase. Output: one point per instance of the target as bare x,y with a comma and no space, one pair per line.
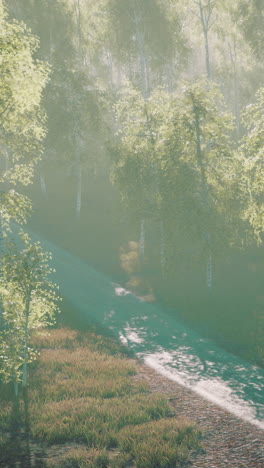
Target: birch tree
205,12
28,297
206,126
249,16
22,120
175,166
29,302
143,38
251,153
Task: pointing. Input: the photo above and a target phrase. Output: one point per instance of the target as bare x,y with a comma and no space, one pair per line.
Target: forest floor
228,442
91,405
86,408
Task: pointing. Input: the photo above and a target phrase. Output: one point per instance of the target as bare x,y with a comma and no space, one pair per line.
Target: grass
82,390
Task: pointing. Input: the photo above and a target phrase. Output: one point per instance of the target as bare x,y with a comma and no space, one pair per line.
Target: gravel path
229,442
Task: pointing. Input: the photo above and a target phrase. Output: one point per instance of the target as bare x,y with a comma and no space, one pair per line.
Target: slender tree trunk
79,190
141,48
26,409
233,57
6,160
143,69
27,448
237,106
119,75
79,32
142,241
110,66
209,263
51,41
79,174
205,17
43,185
162,249
209,272
169,75
207,55
26,336
77,152
147,76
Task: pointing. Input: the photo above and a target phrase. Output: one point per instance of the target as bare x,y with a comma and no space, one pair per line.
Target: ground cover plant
83,398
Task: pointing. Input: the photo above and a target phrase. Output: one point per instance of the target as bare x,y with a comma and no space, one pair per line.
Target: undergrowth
82,390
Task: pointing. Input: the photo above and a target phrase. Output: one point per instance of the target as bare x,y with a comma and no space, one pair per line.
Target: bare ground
229,442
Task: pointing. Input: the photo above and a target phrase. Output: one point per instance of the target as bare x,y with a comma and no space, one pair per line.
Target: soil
228,441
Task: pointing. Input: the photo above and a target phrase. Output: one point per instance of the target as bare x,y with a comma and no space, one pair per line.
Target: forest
132,136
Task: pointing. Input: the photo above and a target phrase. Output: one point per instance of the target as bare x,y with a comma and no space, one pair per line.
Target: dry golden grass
160,443
82,457
56,339
66,373
82,390
95,419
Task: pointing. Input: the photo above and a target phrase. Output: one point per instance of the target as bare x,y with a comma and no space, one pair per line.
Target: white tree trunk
110,66
205,201
205,17
78,164
207,54
209,272
26,336
79,32
237,107
169,77
143,68
119,75
142,240
162,248
79,190
43,184
142,56
233,57
6,161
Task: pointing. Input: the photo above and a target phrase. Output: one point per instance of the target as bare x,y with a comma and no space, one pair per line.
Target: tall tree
175,163
22,120
142,34
29,301
205,12
72,98
251,154
250,16
28,298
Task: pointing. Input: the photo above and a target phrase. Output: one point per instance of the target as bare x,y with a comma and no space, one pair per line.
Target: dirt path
229,442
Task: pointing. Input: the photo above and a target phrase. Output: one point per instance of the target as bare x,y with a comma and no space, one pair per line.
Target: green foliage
149,17
29,302
22,81
251,161
22,119
135,152
159,170
250,15
180,194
